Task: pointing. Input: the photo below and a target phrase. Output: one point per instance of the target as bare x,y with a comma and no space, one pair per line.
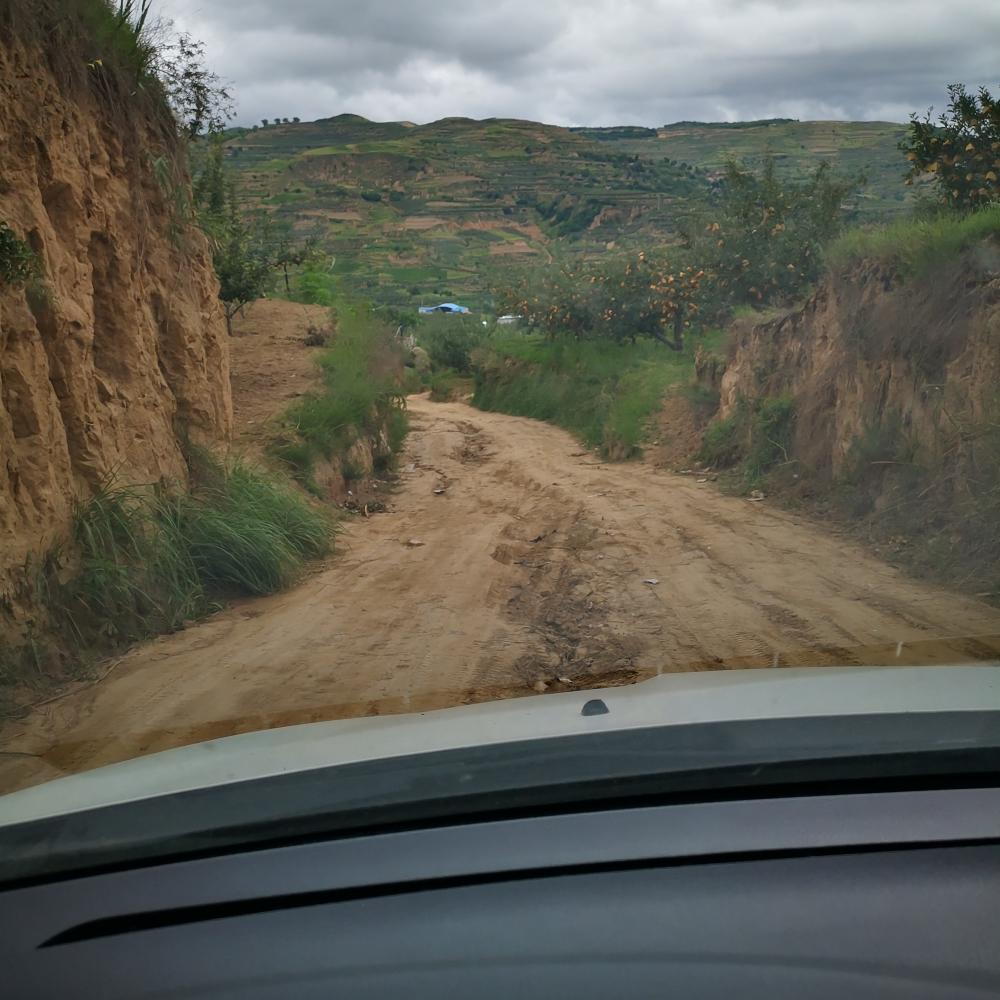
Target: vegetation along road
511,563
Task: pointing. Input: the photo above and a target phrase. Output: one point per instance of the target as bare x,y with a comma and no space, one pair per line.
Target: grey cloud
593,61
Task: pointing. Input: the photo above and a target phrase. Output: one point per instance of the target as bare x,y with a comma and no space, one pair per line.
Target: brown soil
679,429
270,365
536,563
423,222
128,341
512,248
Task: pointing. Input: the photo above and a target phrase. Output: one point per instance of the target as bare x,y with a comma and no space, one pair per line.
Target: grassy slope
915,246
424,213
604,393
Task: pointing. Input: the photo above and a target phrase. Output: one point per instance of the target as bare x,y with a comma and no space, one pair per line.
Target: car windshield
372,359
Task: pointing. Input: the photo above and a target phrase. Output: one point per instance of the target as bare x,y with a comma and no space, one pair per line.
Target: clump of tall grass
916,246
152,559
361,373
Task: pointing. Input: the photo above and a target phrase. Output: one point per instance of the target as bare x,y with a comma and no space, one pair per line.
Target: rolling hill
417,213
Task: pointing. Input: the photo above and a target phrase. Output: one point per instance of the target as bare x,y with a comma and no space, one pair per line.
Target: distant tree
296,120
209,184
243,261
242,246
619,300
263,122
961,150
763,242
198,99
288,253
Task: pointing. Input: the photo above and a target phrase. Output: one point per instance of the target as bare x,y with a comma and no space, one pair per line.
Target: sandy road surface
533,567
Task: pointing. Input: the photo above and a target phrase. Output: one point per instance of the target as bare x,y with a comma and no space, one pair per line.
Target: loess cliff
891,385
118,350
870,351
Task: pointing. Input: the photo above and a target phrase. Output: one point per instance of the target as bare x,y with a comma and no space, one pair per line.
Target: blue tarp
445,307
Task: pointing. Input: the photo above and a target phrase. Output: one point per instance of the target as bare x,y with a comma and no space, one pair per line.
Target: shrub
314,287
18,262
603,392
450,341
961,150
722,444
755,437
770,437
937,511
442,386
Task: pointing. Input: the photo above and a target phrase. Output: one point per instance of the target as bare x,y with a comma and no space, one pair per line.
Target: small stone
652,581
564,680
415,543
540,686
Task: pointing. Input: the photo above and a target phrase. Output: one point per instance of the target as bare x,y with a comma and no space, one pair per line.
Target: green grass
361,372
916,246
752,440
148,560
442,386
602,392
449,340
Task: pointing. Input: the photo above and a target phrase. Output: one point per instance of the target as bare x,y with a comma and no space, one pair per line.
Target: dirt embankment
882,393
274,350
510,562
271,364
121,345
870,353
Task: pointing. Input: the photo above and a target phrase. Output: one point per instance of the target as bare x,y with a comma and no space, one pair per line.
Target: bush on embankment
361,396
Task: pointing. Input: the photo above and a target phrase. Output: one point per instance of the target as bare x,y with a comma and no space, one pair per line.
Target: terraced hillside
868,148
414,214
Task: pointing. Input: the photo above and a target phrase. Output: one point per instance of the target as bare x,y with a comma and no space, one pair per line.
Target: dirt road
511,559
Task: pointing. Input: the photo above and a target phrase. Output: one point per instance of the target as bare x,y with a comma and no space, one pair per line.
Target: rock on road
536,564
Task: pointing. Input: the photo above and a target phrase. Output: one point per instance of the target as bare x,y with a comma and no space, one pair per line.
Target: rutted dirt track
533,566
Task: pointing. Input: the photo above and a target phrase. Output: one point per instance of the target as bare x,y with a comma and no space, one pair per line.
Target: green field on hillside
414,215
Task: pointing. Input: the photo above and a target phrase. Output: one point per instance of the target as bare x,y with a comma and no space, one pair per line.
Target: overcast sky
593,62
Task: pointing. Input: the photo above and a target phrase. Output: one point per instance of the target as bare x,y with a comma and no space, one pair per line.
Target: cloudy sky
596,62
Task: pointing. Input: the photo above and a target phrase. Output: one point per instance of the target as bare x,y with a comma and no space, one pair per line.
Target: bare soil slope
535,563
123,339
270,363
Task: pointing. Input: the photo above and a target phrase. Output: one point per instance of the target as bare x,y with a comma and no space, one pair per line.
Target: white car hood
671,699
